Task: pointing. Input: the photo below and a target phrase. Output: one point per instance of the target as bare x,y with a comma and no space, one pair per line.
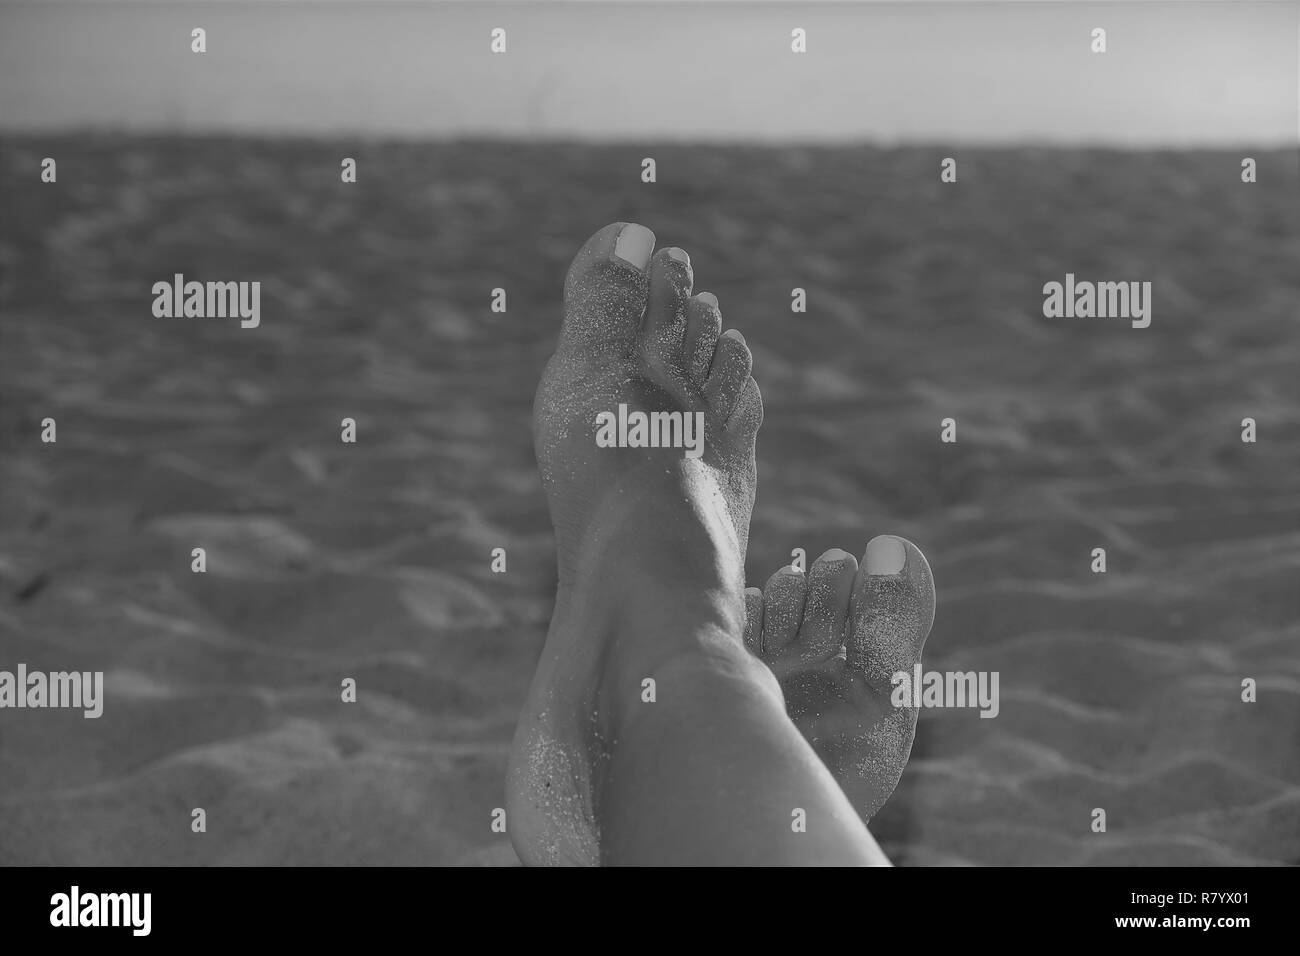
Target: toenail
835,554
885,555
634,245
733,334
709,299
679,255
791,569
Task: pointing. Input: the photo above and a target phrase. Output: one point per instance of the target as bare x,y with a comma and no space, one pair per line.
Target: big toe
890,615
607,286
891,610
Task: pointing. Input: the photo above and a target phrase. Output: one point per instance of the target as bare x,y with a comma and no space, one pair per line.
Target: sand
372,560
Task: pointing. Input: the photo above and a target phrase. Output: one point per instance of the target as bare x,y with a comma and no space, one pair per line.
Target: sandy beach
372,560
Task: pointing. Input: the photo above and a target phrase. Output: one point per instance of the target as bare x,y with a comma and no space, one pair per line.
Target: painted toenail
885,555
634,245
835,554
733,334
791,569
709,299
679,255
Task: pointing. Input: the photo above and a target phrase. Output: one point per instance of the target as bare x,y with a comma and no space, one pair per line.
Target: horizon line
622,139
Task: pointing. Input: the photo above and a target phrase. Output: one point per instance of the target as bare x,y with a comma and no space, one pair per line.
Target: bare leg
711,771
649,733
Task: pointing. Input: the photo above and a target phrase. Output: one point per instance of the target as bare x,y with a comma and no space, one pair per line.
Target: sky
1174,74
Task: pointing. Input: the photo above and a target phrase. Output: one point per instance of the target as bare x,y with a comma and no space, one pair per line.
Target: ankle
653,585
659,531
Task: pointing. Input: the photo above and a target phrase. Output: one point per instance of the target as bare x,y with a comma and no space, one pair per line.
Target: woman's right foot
834,637
638,530
634,335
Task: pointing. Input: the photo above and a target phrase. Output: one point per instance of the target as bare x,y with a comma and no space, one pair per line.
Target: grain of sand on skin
371,561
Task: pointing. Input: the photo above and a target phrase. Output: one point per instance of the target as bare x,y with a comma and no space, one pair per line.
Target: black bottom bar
915,908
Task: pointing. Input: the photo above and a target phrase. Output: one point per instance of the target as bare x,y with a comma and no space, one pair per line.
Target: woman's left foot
834,638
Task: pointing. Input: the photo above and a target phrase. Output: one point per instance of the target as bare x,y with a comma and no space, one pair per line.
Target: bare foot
634,335
834,637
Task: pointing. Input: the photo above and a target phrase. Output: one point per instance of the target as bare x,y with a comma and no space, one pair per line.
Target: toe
607,286
891,610
732,364
826,607
782,609
670,281
754,620
703,323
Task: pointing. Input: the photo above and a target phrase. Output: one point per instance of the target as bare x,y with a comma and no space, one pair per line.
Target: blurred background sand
328,560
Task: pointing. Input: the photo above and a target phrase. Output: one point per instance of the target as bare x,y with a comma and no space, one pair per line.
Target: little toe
891,611
826,606
703,324
728,375
754,620
670,280
607,286
782,609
